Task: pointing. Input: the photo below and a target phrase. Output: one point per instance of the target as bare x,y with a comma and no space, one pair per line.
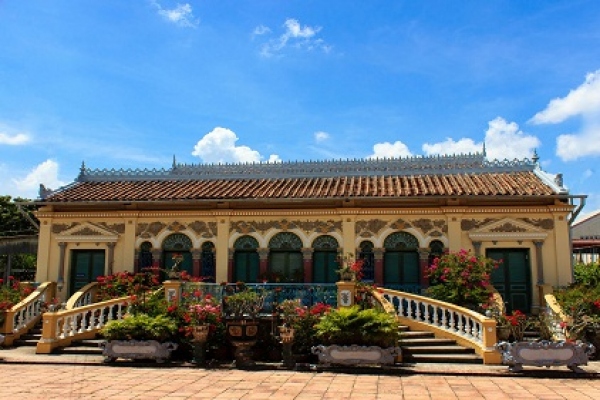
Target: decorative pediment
507,229
88,232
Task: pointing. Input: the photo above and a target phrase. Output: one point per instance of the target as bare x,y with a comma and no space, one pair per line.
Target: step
432,341
89,346
442,358
416,334
455,349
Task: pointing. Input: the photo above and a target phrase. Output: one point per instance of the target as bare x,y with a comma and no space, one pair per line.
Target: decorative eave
430,165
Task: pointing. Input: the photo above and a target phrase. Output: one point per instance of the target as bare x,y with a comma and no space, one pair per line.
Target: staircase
82,347
424,347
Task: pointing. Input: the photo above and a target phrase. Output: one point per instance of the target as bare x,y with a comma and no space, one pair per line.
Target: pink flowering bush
462,279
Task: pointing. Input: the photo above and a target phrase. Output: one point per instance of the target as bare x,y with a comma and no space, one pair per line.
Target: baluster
418,310
470,327
62,329
443,324
426,316
452,323
460,324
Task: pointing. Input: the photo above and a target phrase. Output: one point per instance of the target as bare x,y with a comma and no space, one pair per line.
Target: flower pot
356,355
545,354
137,350
502,333
242,335
200,333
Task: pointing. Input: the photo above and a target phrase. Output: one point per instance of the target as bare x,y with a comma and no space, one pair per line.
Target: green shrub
348,326
141,327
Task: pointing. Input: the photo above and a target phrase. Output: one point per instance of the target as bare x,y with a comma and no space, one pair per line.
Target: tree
15,223
12,221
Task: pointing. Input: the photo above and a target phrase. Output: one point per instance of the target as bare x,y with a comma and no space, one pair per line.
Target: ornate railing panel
309,294
24,315
467,327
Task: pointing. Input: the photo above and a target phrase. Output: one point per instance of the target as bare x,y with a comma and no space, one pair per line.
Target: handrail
62,327
24,315
467,327
557,317
83,297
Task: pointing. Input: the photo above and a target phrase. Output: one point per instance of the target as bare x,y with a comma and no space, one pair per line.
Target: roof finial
484,152
535,157
174,162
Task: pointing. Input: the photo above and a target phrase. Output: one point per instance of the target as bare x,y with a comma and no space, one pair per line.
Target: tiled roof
524,183
462,175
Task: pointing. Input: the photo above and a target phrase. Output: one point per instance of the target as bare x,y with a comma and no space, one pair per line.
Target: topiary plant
348,326
141,327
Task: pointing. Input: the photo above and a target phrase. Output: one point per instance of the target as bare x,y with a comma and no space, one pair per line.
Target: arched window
436,250
246,262
177,244
325,259
401,261
285,257
208,262
366,254
145,256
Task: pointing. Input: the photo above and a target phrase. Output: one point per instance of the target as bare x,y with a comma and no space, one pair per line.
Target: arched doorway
325,259
401,261
177,244
436,250
368,256
246,262
285,257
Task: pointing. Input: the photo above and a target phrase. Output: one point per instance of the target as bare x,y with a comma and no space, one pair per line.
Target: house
291,221
585,235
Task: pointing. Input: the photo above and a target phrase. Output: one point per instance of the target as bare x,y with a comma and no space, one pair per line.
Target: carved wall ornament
400,224
369,228
85,231
470,224
543,223
118,228
246,227
153,228
176,226
204,229
59,228
508,227
425,225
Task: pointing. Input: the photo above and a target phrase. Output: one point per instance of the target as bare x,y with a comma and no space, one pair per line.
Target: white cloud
463,146
45,173
181,15
584,101
14,140
390,150
274,158
503,140
297,36
218,146
261,30
321,136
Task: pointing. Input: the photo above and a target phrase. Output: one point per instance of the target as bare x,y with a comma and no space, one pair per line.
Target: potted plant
139,336
350,269
354,336
241,310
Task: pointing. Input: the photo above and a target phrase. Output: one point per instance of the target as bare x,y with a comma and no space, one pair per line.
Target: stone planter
242,335
545,354
137,350
355,355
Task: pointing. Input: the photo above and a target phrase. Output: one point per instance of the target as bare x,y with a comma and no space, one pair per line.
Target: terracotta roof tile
487,184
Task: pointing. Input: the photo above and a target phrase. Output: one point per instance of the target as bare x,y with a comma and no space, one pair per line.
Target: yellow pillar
128,245
222,248
346,293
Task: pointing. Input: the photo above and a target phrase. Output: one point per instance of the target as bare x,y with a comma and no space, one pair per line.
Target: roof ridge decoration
417,165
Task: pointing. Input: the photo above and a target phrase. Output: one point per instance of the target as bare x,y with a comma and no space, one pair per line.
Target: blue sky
129,84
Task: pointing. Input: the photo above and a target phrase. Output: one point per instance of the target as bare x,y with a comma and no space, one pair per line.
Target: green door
86,266
512,279
325,265
401,268
246,266
288,265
